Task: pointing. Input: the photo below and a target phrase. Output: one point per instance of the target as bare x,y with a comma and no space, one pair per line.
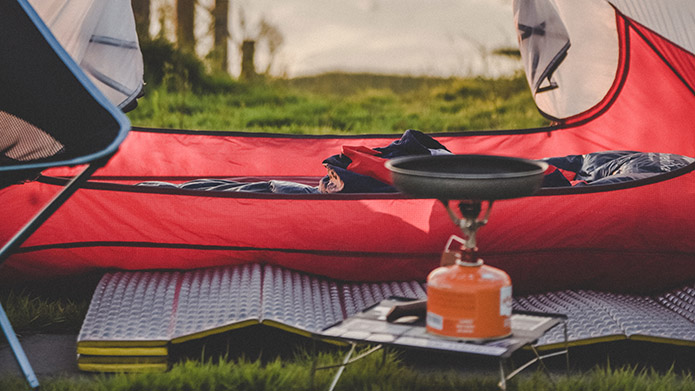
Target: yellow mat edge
120,367
582,342
122,351
122,343
664,340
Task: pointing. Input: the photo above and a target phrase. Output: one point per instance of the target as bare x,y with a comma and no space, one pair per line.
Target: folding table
370,327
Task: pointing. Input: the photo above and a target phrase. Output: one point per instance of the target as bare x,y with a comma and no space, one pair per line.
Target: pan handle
413,308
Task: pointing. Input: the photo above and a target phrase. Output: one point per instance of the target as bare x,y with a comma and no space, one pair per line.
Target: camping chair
50,115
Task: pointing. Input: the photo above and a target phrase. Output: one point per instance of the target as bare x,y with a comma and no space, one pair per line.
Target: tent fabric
100,36
587,72
361,170
543,41
671,19
635,236
581,57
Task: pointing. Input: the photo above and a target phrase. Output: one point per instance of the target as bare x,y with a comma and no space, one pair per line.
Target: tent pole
46,212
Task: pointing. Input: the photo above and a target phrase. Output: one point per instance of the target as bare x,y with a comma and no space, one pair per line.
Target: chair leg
16,347
14,243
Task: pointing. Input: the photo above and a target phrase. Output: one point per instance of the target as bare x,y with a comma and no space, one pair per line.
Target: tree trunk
185,17
220,15
141,11
248,67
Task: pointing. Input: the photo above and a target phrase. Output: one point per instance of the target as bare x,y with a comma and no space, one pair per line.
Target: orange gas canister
469,301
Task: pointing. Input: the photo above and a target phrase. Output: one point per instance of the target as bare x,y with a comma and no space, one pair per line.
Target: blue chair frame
15,10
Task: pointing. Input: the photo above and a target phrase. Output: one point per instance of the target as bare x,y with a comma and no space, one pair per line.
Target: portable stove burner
466,299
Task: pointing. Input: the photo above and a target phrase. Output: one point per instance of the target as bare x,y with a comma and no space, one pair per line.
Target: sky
410,37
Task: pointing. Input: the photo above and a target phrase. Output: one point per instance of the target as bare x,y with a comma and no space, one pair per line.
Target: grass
370,373
34,314
181,94
54,306
345,104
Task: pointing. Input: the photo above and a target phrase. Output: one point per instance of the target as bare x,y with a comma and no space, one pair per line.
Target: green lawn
370,373
345,104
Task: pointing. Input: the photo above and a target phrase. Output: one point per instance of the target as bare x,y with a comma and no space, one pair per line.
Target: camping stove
466,299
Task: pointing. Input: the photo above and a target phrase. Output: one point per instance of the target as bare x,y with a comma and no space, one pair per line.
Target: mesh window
22,141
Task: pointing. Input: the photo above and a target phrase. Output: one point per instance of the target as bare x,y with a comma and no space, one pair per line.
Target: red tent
636,236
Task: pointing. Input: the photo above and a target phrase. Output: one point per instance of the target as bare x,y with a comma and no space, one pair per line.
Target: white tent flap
100,35
579,80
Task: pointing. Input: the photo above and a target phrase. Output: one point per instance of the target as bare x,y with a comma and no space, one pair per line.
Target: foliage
370,373
342,84
512,52
181,93
177,70
346,103
38,314
52,306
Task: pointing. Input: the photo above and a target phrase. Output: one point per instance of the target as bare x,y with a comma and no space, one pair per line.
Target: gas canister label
506,301
434,321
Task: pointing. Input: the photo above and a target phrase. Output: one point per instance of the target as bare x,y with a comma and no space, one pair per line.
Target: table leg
567,347
503,378
346,360
314,365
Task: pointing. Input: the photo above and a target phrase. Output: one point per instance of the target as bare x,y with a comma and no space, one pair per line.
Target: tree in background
273,39
185,25
141,10
220,29
177,18
248,64
263,33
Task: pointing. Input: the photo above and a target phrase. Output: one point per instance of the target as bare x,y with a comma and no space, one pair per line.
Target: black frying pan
466,177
